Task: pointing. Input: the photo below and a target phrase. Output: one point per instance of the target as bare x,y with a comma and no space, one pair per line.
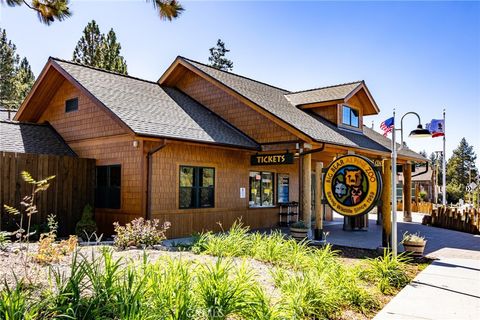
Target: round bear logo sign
352,185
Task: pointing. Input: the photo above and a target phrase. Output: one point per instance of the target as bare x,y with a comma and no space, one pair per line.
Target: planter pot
298,233
416,248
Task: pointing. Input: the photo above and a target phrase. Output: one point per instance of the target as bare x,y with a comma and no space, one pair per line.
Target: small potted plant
299,230
414,243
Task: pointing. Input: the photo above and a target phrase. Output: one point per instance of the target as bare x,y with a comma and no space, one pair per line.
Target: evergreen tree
24,80
47,10
89,48
460,169
16,79
100,51
8,62
50,10
217,57
112,60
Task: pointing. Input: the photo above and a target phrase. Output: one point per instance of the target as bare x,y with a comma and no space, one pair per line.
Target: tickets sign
352,185
271,159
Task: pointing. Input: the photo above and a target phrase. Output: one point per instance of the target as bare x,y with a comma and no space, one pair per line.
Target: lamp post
419,132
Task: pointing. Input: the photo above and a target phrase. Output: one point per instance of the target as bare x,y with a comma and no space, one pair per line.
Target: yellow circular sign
352,185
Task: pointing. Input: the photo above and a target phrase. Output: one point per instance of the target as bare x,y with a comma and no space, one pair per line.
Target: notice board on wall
283,187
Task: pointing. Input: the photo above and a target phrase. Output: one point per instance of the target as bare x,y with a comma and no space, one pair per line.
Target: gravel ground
12,266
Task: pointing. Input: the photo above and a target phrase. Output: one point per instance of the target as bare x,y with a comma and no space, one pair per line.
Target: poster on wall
283,188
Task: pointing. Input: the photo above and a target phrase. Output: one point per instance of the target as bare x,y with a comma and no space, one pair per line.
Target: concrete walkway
448,289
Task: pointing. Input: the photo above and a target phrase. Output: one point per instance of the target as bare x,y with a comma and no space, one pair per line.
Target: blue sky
414,56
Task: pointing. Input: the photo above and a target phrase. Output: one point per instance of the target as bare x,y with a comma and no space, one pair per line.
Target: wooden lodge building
200,145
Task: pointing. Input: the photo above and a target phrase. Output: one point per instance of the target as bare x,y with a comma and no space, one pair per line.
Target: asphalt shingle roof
149,109
4,114
330,93
274,100
32,138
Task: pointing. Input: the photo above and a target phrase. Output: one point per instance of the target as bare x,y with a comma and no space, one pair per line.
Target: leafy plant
14,303
140,233
299,224
86,226
4,240
48,250
413,237
388,272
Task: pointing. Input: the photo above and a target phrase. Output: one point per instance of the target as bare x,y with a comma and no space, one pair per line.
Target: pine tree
24,80
50,10
460,169
100,51
89,48
16,79
112,60
8,61
217,57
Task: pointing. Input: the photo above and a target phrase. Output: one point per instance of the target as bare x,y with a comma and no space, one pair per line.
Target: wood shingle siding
232,169
235,112
89,121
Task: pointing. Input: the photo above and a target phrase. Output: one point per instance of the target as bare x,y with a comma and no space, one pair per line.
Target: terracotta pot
416,248
298,233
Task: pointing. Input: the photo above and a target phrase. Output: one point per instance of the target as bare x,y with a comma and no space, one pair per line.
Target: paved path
440,242
448,289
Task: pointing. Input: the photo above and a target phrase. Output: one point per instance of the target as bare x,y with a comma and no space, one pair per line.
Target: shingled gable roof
330,93
274,101
32,138
151,110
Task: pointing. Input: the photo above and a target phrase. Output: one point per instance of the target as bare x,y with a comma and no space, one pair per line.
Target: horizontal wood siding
69,192
231,173
89,121
232,110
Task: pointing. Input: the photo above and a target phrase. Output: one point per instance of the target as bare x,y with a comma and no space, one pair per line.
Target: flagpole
394,190
444,166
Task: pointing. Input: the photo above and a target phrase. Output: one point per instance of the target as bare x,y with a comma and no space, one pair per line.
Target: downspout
426,170
150,153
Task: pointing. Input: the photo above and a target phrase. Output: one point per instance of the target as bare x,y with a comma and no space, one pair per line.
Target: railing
455,219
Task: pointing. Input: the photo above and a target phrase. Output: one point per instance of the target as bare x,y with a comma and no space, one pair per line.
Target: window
350,117
197,187
261,189
71,105
108,186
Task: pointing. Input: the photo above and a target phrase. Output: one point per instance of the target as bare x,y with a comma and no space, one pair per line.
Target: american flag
387,126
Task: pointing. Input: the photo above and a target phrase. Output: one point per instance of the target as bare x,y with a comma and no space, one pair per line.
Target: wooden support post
307,189
386,203
318,201
407,192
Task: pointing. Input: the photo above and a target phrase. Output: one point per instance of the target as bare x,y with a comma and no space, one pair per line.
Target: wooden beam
318,201
386,206
307,189
407,192
320,104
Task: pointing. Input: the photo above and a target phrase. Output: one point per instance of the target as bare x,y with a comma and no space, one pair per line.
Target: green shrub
140,233
86,226
388,272
4,240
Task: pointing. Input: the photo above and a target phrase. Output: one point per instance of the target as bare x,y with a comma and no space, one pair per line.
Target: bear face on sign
351,185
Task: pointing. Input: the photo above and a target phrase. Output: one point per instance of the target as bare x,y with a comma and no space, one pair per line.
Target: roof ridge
235,74
23,122
327,87
103,70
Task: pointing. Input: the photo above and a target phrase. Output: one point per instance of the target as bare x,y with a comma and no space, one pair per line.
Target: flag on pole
387,126
436,127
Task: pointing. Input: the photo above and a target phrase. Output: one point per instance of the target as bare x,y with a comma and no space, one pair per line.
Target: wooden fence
423,207
455,219
69,192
